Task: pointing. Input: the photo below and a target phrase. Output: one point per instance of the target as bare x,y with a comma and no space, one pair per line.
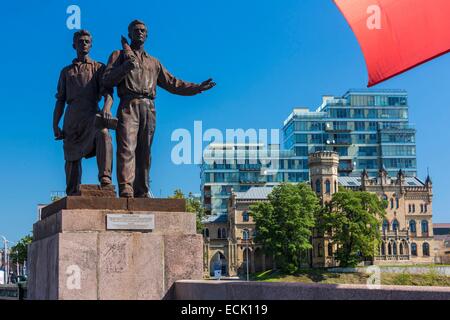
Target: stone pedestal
74,256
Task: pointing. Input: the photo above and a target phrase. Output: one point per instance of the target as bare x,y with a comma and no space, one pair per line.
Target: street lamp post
17,263
247,260
6,259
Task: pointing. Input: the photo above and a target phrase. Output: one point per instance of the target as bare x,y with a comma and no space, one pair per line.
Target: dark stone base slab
115,204
93,190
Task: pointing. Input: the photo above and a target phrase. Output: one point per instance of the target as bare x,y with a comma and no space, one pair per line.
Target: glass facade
228,167
368,129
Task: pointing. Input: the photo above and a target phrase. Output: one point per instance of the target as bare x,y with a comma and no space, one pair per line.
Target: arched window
245,216
318,186
412,226
413,249
245,234
390,249
330,249
395,225
219,233
383,249
385,201
401,248
413,208
421,207
394,248
397,203
424,227
426,249
392,203
328,186
385,225
426,207
409,208
224,233
206,232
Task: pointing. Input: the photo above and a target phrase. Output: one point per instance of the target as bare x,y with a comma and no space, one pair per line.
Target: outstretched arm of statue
177,86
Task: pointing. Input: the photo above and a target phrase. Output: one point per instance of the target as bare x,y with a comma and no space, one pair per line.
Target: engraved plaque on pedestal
141,222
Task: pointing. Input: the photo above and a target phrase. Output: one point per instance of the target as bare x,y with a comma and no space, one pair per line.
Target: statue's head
137,32
82,41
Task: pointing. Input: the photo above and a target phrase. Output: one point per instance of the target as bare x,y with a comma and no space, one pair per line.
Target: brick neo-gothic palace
407,231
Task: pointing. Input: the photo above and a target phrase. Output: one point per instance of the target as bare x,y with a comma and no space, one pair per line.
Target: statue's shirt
81,81
80,87
142,81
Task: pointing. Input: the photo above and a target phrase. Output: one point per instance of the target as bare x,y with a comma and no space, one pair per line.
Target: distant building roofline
441,225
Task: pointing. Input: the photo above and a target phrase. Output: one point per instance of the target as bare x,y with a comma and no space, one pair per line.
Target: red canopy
397,35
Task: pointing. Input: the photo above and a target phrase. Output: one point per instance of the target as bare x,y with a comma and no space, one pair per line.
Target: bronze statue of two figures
85,133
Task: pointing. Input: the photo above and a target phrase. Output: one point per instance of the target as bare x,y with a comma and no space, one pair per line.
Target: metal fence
13,292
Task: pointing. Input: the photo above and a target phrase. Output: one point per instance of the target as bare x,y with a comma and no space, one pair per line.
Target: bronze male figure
136,74
80,87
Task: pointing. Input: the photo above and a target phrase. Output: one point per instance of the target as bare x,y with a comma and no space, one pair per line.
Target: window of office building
381,101
367,164
342,151
361,138
358,113
301,151
357,100
301,126
397,101
398,138
373,126
342,138
400,163
340,113
316,138
360,126
301,138
315,126
367,151
399,150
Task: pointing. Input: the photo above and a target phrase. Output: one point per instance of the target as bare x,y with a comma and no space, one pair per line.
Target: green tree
193,205
284,224
20,249
352,219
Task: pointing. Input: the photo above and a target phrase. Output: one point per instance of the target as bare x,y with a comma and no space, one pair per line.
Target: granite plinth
74,256
111,203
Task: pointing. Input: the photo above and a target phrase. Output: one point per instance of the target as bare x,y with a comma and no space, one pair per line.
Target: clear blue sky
266,56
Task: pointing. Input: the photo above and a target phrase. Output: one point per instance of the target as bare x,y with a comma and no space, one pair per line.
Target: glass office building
368,129
238,167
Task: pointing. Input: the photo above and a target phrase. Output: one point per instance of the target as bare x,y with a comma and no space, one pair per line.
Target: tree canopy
20,250
193,205
352,220
284,224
